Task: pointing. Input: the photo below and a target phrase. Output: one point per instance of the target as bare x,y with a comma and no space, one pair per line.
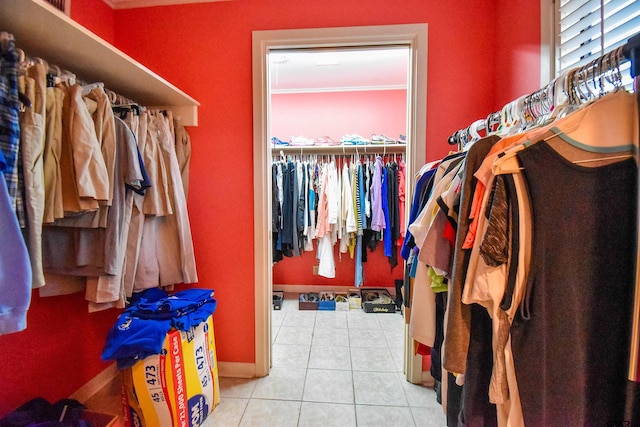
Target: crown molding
130,4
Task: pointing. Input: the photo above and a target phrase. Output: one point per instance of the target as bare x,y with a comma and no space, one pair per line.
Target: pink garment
323,226
402,183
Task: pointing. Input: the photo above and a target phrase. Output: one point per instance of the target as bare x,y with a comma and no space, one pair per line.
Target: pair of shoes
300,141
382,139
325,141
310,297
402,139
354,139
378,298
326,297
341,298
277,141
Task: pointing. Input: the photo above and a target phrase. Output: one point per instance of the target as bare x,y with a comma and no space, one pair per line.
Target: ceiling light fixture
279,59
326,58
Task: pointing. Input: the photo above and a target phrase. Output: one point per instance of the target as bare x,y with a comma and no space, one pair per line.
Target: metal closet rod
630,52
59,75
340,149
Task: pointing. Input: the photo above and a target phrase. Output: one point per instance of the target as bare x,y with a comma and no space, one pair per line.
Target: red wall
205,49
517,47
298,270
97,16
335,114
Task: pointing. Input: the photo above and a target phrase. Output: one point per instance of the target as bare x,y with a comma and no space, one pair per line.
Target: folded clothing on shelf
140,330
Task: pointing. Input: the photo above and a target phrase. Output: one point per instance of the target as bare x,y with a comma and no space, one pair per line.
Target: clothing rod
631,47
340,149
60,73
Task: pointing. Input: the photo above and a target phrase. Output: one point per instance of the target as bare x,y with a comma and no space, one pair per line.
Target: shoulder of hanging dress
507,163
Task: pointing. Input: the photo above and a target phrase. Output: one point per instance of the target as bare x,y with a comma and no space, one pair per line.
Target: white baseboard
318,288
95,384
236,370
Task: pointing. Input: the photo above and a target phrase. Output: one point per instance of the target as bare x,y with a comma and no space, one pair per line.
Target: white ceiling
343,69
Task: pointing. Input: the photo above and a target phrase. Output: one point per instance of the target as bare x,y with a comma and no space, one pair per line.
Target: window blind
590,28
59,4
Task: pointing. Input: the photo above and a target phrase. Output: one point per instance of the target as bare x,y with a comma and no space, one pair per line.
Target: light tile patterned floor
330,368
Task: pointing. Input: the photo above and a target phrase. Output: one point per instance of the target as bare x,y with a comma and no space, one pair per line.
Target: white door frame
412,35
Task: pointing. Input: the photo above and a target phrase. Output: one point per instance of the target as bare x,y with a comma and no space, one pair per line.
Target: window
63,5
587,29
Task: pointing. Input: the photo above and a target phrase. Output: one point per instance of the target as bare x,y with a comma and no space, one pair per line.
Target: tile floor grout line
352,322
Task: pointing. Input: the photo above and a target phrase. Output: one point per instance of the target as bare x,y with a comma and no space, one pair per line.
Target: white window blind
63,5
590,28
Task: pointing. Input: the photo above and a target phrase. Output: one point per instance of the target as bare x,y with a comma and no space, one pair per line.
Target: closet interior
332,111
522,247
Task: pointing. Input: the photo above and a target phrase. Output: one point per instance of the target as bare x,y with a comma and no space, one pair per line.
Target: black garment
299,207
294,208
571,354
475,408
276,213
287,205
435,353
370,239
454,393
39,412
300,224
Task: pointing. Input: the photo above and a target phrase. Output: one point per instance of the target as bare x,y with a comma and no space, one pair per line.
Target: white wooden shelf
45,32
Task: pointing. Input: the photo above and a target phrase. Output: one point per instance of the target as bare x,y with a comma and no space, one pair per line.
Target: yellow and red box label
178,387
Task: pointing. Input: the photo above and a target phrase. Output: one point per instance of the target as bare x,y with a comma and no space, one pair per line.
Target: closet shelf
43,31
340,149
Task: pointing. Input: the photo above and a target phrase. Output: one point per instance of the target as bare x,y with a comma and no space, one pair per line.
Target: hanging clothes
342,198
86,209
526,315
10,106
32,174
16,279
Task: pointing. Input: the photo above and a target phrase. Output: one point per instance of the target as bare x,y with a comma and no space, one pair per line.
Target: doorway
267,44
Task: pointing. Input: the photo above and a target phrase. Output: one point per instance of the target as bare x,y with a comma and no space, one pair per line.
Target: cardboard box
178,387
327,301
355,299
377,301
308,301
342,301
278,297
